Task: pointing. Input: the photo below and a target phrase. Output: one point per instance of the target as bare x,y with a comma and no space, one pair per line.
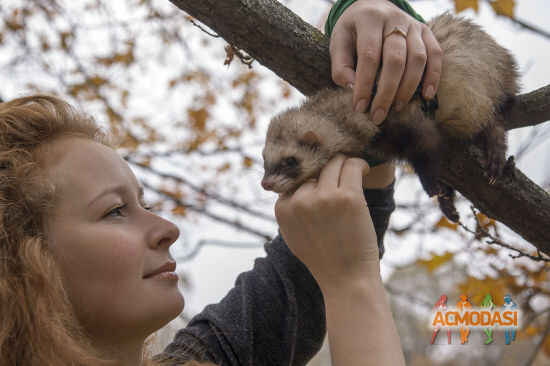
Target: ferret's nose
267,184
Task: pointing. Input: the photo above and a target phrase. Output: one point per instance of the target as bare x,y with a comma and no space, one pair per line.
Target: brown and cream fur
478,78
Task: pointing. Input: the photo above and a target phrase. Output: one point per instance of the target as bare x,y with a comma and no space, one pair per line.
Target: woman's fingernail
378,116
398,106
430,92
361,105
350,85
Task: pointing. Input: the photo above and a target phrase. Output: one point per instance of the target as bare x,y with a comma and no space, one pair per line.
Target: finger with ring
396,30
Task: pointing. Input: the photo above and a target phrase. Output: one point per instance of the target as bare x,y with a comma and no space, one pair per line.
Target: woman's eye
117,210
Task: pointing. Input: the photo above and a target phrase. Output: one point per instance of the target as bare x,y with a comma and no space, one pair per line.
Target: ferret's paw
447,206
510,167
430,184
495,164
447,203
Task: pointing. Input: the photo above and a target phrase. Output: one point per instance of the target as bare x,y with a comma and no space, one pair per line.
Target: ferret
478,78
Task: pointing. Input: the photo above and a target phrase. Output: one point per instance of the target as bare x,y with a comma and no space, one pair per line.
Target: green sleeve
341,5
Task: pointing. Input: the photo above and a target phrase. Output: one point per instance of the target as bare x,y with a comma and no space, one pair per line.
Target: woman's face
105,242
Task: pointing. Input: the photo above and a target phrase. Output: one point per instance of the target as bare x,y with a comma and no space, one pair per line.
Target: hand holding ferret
378,32
327,224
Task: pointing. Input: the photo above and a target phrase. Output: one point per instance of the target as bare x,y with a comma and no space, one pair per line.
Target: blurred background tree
190,112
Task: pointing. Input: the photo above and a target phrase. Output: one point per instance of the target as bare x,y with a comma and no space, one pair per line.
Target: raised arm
275,314
328,226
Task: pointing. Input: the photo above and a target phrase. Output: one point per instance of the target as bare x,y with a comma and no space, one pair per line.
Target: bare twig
192,21
482,232
234,223
212,195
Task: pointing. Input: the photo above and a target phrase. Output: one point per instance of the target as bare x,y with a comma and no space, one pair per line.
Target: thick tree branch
270,33
528,109
299,53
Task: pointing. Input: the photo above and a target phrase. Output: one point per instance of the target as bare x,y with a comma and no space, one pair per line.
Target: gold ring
396,30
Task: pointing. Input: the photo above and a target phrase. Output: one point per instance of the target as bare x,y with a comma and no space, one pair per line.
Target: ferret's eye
289,162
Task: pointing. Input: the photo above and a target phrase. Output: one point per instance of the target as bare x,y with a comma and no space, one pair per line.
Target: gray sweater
275,314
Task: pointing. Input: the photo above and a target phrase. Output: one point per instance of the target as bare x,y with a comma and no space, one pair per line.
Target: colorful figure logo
509,333
464,305
441,305
486,317
488,304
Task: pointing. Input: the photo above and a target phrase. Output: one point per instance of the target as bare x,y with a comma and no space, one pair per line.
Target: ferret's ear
311,139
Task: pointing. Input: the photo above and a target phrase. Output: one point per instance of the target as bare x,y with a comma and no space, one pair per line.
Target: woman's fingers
394,59
434,63
342,50
361,32
351,177
416,61
330,175
369,49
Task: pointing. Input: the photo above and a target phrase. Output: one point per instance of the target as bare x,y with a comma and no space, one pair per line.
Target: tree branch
299,53
528,109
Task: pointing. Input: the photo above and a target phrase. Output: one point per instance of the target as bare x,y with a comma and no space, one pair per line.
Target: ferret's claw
509,166
447,206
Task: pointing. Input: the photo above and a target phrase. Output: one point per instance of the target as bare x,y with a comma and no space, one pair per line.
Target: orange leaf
224,167
247,161
461,5
485,221
435,261
490,250
198,118
477,288
504,7
177,195
179,210
531,331
129,142
444,223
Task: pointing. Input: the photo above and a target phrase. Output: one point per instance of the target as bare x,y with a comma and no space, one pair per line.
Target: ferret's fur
478,77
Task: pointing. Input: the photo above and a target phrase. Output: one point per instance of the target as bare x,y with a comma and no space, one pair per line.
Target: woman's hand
365,30
327,225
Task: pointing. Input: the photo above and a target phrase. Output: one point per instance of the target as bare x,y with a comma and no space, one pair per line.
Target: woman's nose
164,233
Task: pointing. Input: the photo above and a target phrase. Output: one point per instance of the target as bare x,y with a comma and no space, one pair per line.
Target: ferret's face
290,160
289,169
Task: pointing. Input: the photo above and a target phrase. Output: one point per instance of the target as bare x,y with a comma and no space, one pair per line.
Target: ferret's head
296,148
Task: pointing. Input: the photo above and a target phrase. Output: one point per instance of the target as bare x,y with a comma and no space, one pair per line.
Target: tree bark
299,54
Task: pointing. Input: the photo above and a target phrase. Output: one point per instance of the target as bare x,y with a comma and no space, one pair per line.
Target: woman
78,247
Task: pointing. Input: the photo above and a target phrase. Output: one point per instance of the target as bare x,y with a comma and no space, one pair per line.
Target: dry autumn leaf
247,161
435,261
179,210
477,288
198,118
504,7
444,223
461,5
224,167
